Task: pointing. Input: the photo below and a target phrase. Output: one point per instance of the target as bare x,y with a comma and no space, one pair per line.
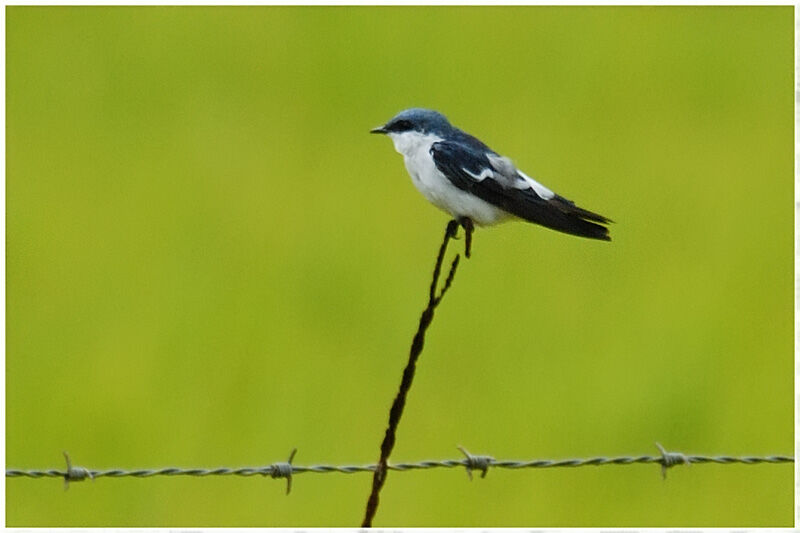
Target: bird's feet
469,227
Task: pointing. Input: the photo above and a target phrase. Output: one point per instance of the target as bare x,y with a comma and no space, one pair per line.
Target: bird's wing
494,179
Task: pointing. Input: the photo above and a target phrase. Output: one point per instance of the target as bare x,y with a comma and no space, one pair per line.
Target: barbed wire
481,463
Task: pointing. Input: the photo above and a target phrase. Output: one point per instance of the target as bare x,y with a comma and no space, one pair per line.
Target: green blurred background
210,261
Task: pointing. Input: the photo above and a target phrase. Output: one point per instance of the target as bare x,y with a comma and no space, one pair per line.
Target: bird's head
415,129
417,120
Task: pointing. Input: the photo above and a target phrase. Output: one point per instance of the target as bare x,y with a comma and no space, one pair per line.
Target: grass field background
210,261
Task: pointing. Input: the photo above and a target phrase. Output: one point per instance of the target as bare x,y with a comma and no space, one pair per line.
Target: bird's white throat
409,143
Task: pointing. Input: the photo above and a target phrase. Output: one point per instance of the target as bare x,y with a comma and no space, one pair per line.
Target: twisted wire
481,463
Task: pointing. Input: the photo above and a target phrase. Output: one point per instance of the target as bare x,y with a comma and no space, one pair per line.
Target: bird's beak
379,129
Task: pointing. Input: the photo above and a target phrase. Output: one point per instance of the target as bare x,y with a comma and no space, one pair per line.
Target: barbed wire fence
481,463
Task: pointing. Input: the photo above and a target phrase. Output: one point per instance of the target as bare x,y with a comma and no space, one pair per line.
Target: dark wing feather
457,161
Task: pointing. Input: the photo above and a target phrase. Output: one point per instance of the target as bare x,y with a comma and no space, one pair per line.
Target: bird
462,176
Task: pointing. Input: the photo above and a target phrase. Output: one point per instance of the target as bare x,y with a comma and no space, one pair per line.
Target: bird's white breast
415,148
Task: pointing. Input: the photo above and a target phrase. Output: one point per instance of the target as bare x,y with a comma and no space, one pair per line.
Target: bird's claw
469,227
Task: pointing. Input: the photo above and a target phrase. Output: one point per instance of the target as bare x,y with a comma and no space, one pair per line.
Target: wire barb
670,459
74,473
476,462
284,470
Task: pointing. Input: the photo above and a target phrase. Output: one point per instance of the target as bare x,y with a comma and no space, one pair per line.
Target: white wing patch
517,179
485,173
509,176
505,167
537,187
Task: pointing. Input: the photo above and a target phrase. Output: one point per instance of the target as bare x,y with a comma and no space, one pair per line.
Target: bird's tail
560,214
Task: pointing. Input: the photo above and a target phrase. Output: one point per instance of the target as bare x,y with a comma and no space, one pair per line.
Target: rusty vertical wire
379,476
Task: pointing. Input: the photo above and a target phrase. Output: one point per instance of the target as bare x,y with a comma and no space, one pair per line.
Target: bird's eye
401,125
